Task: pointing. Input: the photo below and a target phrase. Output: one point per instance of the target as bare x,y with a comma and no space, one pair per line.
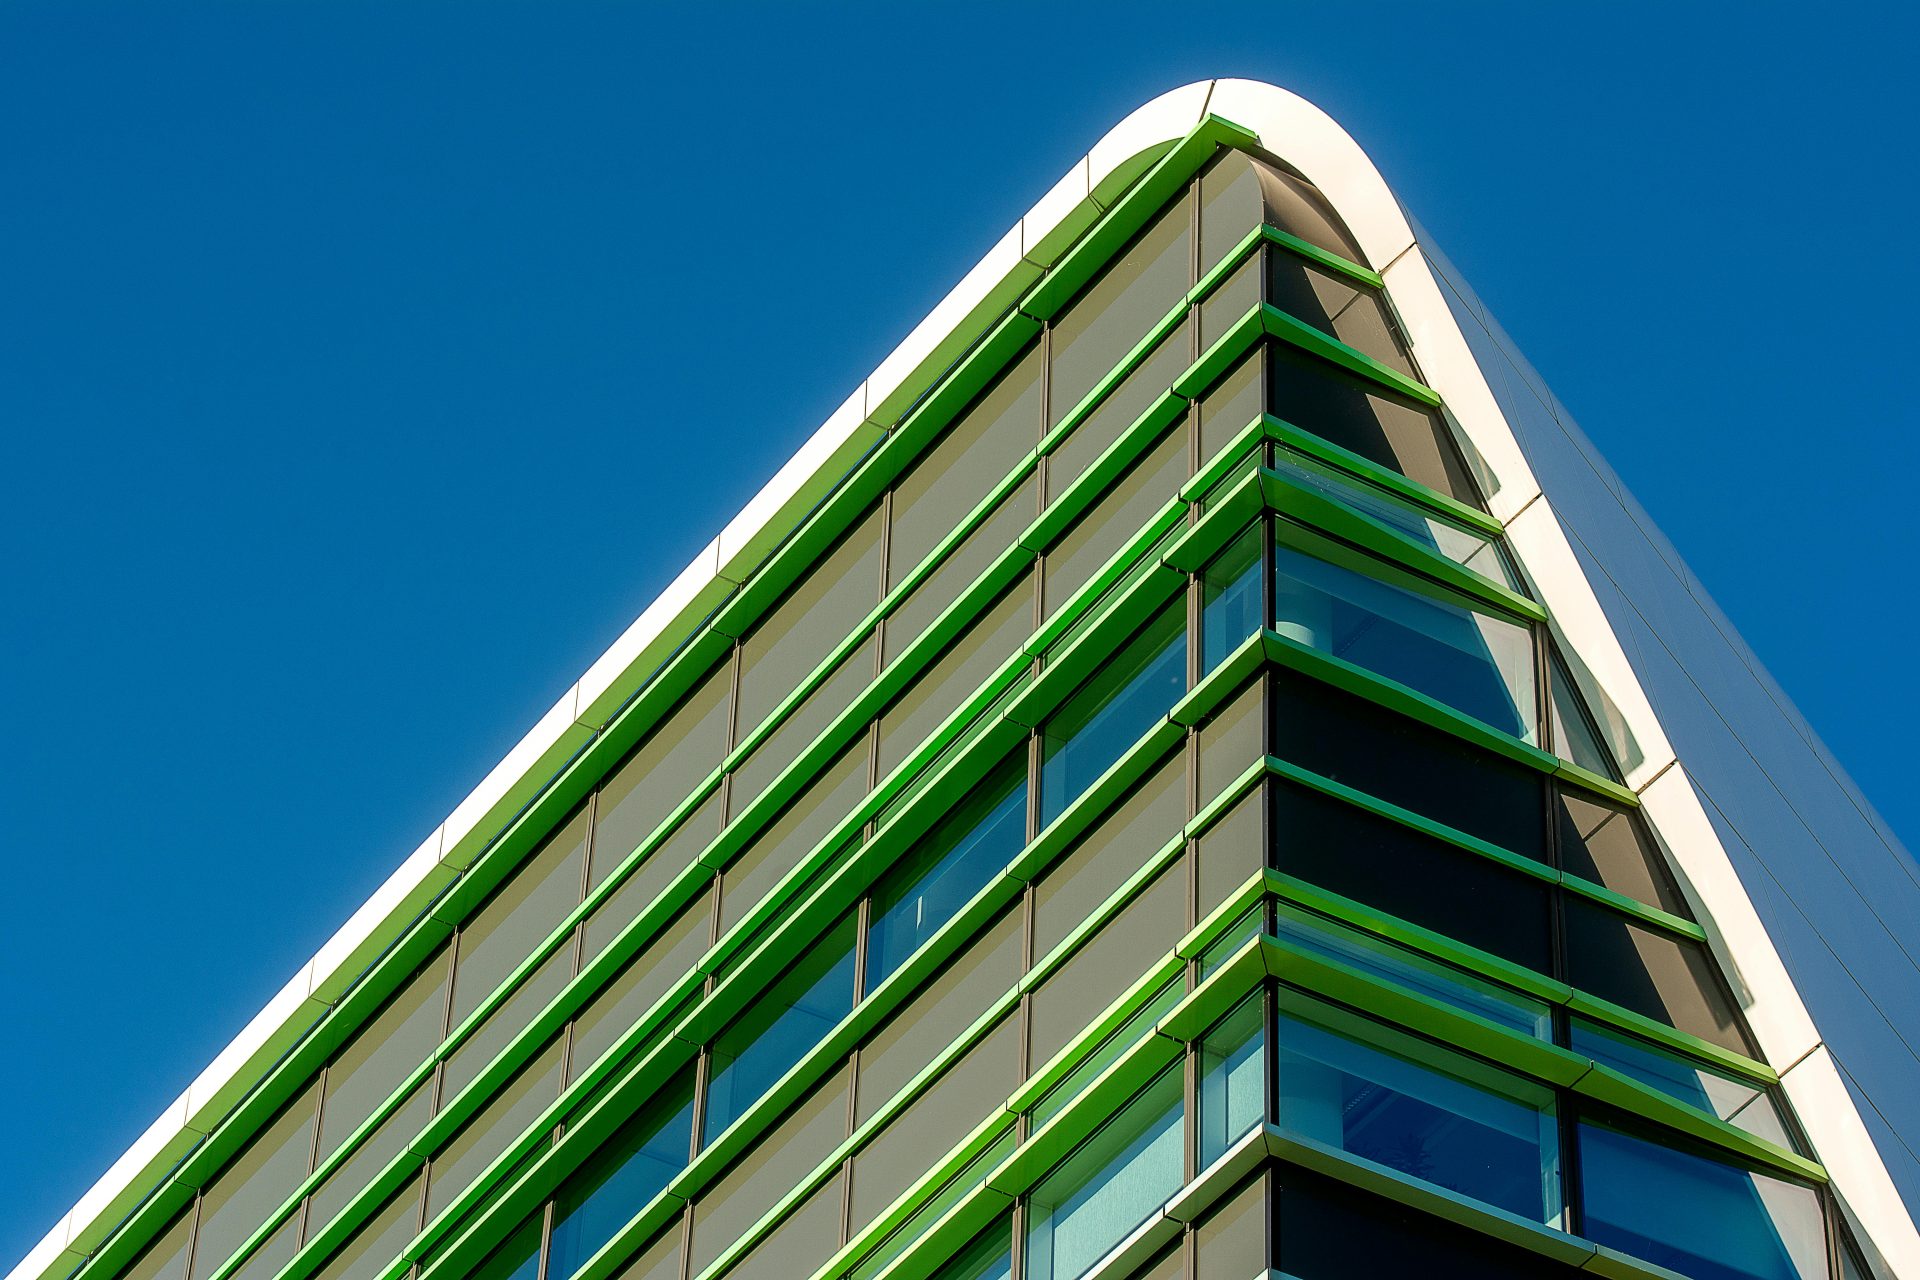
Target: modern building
1197,769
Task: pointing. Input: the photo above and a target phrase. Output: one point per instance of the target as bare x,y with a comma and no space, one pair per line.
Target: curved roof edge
1307,139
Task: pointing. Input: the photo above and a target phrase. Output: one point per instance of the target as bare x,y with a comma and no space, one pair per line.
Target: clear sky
364,369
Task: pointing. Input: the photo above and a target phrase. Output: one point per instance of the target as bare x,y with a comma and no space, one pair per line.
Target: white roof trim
1308,139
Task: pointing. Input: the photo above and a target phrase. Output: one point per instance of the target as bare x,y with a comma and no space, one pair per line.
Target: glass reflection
1095,727
1233,1079
1471,661
1719,1093
1490,1138
1230,599
1114,1182
603,1195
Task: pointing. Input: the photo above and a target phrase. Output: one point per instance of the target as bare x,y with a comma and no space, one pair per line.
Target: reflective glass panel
1233,1078
1112,1184
778,1029
1379,958
1702,1218
1490,1137
518,1258
1719,1093
1475,551
1574,736
1471,661
1608,844
603,1195
1230,594
1095,727
949,865
1669,979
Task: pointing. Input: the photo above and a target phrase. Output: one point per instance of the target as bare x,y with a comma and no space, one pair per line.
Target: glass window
965,1094
521,913
1116,1180
1324,1230
1378,958
1338,306
1474,662
1703,1218
780,848
1231,608
973,456
767,1172
959,857
986,544
1135,293
258,1181
1120,410
1609,845
1382,864
1117,847
394,1042
1233,1078
661,772
1365,418
1716,1092
1668,979
1111,961
944,687
1097,725
962,991
517,1258
647,977
635,1165
494,1129
1574,734
1463,546
816,616
1347,738
1116,519
988,1257
779,1029
1438,1117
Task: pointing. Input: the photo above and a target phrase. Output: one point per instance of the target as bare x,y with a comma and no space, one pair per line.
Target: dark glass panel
988,1257
1393,757
517,1258
1325,1230
1671,980
1363,417
1338,306
1610,845
1392,868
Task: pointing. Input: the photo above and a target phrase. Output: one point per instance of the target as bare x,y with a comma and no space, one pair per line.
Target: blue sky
365,369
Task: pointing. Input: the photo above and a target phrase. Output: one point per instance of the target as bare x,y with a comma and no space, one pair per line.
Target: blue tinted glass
1471,661
1097,725
1382,959
1734,1100
1233,1079
1113,1183
1231,606
954,861
779,1029
603,1195
1704,1219
1419,1120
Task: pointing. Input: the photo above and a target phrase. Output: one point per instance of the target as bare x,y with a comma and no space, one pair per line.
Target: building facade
1197,770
